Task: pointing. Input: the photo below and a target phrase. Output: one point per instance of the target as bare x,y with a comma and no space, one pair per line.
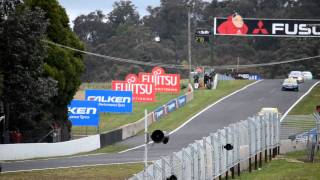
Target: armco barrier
37,150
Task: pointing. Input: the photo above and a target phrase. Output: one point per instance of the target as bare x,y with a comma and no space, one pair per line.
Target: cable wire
177,66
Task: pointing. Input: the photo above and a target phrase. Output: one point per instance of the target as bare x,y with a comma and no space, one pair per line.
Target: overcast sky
75,8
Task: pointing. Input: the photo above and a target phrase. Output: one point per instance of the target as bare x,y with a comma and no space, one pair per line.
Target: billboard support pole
189,42
146,143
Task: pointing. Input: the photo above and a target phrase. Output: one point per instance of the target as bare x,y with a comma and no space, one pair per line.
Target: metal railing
209,158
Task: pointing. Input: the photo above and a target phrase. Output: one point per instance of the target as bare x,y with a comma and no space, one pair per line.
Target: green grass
202,98
308,104
106,172
287,167
109,121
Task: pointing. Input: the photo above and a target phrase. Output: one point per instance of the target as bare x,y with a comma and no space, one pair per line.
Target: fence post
270,136
238,148
256,142
192,161
250,144
213,156
220,153
261,142
163,169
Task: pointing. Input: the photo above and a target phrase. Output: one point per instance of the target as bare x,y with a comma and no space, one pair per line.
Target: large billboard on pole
235,25
141,91
111,101
166,83
83,113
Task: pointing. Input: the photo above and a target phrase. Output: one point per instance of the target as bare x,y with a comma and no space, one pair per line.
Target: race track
239,106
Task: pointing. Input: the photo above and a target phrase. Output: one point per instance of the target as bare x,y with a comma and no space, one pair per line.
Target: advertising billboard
141,91
83,113
182,100
166,83
111,101
235,25
171,106
158,113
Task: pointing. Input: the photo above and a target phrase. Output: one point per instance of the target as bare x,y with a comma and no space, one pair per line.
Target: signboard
141,91
235,25
249,76
182,100
202,35
167,83
158,113
111,101
171,106
83,113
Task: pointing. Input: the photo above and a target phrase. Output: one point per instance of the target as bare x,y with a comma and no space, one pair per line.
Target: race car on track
290,84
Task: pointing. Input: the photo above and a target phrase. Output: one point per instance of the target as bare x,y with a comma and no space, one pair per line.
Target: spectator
196,81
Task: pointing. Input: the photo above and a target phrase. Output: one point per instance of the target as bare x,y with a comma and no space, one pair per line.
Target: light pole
189,41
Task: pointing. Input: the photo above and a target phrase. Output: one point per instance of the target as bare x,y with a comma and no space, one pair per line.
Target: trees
63,65
26,91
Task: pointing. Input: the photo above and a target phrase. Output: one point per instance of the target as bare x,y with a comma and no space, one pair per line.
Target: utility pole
238,60
189,41
146,141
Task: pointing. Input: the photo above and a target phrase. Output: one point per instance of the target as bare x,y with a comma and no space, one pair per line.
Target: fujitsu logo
260,29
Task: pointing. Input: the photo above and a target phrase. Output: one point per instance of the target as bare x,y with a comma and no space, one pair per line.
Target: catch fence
250,141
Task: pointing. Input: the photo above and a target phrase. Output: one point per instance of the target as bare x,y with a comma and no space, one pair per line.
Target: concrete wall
37,150
132,129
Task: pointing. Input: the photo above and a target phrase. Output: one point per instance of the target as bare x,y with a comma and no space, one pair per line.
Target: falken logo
110,99
82,110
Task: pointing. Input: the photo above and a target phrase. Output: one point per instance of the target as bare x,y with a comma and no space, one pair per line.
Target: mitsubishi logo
260,29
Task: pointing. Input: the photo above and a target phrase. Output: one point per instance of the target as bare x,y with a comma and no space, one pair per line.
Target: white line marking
53,158
92,165
185,123
305,94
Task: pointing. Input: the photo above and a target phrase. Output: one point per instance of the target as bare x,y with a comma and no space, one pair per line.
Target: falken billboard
235,25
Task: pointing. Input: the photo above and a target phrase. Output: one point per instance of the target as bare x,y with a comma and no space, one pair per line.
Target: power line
177,66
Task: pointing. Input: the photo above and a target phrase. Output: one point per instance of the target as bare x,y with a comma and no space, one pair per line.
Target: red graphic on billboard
233,25
141,91
167,83
260,29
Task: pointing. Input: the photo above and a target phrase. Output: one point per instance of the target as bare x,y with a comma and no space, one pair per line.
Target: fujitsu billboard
166,83
235,25
141,91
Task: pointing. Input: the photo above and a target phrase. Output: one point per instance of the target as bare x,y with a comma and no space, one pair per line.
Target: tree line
124,33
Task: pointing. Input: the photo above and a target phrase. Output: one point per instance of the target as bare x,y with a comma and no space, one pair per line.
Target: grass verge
105,172
288,167
109,121
308,104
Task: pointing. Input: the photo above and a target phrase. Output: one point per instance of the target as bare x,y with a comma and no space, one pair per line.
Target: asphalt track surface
266,93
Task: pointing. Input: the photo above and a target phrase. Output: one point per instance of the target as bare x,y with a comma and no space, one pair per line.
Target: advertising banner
111,101
182,100
236,25
158,113
249,76
141,91
167,83
83,113
171,106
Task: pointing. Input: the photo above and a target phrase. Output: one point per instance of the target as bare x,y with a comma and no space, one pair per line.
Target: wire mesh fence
211,157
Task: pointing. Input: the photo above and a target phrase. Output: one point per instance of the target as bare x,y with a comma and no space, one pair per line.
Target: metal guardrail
208,159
